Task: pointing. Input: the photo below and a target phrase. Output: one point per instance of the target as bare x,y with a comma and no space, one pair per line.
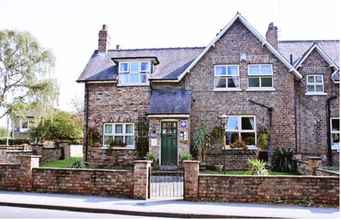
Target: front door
169,147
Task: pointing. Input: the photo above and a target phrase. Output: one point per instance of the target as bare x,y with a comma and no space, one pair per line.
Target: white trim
163,80
169,116
335,146
98,82
227,89
321,52
261,89
255,33
315,93
123,134
240,130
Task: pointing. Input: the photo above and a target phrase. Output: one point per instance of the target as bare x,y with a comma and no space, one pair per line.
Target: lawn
67,163
244,173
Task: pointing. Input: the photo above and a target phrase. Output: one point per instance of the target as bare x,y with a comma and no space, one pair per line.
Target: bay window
134,73
241,128
335,133
226,77
260,76
118,134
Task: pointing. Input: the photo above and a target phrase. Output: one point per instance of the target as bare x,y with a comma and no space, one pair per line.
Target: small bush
283,160
258,167
263,140
78,164
185,156
151,157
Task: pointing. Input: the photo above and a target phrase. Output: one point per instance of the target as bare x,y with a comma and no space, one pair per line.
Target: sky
70,28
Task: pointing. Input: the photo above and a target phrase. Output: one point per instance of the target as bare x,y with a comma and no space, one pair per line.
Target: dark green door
169,147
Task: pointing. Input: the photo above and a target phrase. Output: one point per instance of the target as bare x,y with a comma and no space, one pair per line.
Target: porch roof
170,102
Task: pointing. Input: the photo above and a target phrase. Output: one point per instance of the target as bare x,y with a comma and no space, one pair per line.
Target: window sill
260,89
227,90
132,85
248,147
119,148
315,93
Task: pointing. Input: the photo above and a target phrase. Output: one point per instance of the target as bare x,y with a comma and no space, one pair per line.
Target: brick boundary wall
27,176
308,190
117,183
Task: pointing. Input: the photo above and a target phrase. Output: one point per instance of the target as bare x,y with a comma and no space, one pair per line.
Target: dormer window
134,73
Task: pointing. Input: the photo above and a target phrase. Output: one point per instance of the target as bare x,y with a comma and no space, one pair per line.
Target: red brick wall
118,183
315,190
9,176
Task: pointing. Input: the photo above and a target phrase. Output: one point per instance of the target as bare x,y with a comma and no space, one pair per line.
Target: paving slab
162,208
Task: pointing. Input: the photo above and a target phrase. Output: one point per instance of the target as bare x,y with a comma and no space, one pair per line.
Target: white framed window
134,73
260,76
226,77
315,84
119,135
335,133
241,128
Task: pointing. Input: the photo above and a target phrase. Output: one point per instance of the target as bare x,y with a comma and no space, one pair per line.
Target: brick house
241,81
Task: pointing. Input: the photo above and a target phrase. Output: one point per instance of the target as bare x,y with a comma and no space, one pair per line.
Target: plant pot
263,155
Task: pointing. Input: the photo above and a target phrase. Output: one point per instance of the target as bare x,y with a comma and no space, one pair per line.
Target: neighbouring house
21,126
241,81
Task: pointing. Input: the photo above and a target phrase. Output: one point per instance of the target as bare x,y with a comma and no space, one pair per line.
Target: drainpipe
270,109
86,116
329,150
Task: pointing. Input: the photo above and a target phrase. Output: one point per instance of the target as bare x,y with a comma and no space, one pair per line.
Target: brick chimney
103,39
272,35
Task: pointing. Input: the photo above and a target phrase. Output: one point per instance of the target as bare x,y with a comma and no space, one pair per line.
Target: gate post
27,163
191,179
142,170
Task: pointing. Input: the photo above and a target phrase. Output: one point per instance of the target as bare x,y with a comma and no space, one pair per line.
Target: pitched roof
172,62
264,42
299,47
170,102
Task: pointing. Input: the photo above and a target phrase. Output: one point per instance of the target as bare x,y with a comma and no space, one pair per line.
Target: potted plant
152,157
239,145
263,144
185,156
201,144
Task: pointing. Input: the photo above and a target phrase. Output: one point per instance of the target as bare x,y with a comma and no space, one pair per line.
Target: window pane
335,125
319,88
248,123
129,129
118,140
108,140
220,82
118,128
266,69
143,78
134,78
123,78
232,123
319,78
310,88
253,82
231,137
232,70
266,81
220,70
123,67
145,67
310,79
335,138
108,129
249,138
130,140
24,124
233,82
134,67
253,70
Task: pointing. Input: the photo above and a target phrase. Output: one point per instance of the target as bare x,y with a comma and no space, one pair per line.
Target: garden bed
245,173
67,163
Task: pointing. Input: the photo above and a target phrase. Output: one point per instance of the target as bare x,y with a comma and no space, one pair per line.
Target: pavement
160,208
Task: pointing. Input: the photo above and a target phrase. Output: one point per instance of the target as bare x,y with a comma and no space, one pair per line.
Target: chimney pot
272,35
117,46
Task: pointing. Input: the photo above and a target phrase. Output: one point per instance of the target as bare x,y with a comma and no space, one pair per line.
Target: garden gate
166,185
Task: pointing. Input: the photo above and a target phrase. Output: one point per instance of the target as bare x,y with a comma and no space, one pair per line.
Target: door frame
177,139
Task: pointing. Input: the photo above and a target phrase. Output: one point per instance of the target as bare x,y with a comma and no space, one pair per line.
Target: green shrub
257,167
283,160
263,140
151,157
185,156
78,164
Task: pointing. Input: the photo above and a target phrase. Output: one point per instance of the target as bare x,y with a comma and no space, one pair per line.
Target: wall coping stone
79,169
328,171
271,177
32,156
143,161
191,161
9,164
